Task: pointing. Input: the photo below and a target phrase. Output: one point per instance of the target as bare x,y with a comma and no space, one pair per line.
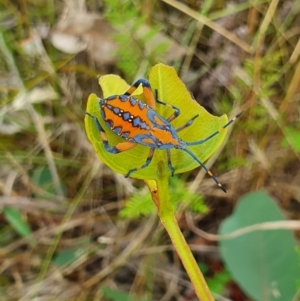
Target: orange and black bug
138,123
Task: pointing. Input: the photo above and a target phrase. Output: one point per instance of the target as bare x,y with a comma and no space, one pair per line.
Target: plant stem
160,194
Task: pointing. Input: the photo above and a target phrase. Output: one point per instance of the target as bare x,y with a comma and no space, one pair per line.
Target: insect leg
177,110
149,158
147,91
190,122
216,132
205,168
120,147
169,162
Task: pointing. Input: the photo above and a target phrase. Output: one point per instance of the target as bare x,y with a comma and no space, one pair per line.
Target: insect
138,123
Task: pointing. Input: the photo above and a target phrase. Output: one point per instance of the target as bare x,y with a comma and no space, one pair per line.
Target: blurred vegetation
65,230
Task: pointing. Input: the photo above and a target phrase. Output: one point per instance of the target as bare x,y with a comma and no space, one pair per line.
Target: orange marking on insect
131,90
148,94
103,136
164,136
148,140
134,111
123,146
159,121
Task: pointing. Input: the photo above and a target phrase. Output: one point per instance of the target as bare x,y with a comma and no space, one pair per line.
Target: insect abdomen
135,121
126,116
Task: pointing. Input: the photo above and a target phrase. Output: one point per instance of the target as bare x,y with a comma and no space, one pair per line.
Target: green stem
160,195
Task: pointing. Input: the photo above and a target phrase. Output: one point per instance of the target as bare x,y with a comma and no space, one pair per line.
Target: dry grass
242,55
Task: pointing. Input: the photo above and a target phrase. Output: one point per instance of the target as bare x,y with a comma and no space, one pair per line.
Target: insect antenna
205,168
216,132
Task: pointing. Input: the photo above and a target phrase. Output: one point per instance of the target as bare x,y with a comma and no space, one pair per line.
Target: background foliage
70,228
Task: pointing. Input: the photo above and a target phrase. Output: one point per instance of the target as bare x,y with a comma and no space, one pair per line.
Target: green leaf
42,177
172,91
264,263
179,194
218,283
14,217
140,204
67,256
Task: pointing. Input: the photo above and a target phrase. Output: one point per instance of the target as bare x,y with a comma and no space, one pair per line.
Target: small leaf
264,263
218,283
42,177
16,220
139,204
179,194
172,91
67,256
